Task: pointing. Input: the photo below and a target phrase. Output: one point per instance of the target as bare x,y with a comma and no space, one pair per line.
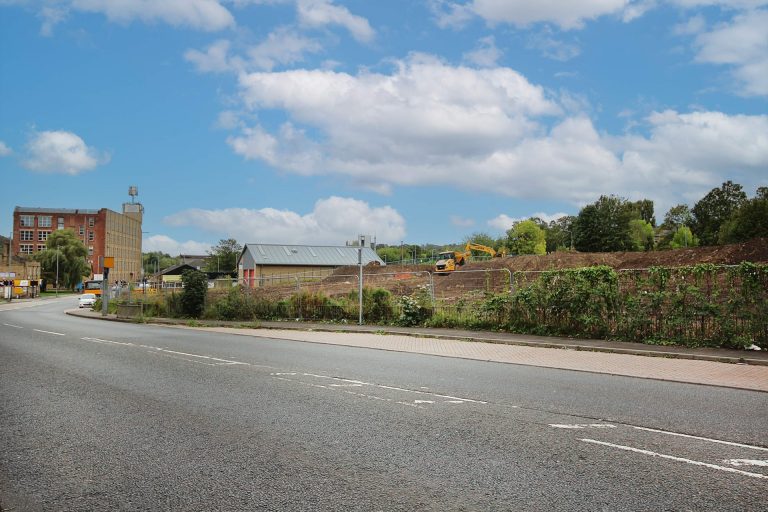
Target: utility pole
360,285
57,268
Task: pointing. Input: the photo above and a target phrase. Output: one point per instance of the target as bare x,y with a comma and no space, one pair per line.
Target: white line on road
50,332
746,462
582,425
14,326
740,445
99,340
228,361
677,459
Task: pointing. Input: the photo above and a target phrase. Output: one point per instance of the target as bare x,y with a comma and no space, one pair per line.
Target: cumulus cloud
173,247
485,55
742,44
4,149
567,14
331,222
319,13
208,15
215,58
504,222
61,152
283,46
461,222
489,130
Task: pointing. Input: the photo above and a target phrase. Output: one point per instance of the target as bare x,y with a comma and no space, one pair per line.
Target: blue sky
311,121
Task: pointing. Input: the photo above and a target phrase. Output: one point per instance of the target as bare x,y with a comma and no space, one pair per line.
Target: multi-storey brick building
103,232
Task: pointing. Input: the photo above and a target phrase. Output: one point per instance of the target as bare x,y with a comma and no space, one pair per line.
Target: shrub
193,295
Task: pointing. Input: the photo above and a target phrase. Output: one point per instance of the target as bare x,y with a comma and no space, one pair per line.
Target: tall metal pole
57,268
360,284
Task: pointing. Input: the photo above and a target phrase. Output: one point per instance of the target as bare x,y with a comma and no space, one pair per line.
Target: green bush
195,285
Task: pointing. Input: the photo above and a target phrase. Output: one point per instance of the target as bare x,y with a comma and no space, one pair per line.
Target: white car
87,300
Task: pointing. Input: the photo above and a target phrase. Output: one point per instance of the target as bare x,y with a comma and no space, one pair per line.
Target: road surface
110,416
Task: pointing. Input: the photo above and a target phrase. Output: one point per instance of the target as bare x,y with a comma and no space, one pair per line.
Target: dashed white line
576,426
740,445
110,342
677,459
50,332
746,462
14,326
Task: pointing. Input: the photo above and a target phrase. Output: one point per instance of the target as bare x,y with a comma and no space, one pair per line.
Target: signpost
107,262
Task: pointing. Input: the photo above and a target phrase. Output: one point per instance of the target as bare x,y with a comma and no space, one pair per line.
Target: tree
559,233
749,221
677,216
64,245
683,238
223,257
193,295
604,226
482,239
641,233
716,208
156,261
761,193
526,237
644,210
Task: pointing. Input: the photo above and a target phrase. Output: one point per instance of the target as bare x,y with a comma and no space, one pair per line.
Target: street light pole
57,268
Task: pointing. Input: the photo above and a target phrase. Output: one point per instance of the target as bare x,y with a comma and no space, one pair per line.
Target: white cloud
461,222
742,44
61,152
283,46
488,130
332,221
567,14
207,15
485,55
504,222
319,13
4,149
552,48
215,59
694,25
170,246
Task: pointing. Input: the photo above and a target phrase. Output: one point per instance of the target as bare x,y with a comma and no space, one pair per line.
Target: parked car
87,300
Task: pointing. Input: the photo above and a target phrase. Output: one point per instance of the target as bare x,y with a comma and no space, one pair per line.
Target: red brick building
103,232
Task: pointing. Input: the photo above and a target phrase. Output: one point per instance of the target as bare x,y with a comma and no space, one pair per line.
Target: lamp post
57,268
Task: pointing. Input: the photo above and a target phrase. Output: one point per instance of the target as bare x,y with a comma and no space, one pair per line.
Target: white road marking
740,445
14,326
746,462
228,361
99,340
50,332
423,401
677,459
582,425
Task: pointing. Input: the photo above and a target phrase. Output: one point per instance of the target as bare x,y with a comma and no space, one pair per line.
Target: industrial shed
264,262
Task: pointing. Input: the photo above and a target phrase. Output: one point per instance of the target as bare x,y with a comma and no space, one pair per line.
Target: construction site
480,275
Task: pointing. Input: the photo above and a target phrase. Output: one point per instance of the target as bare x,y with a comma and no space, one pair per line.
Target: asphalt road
110,416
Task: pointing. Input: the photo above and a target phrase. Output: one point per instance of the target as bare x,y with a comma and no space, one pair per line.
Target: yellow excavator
449,260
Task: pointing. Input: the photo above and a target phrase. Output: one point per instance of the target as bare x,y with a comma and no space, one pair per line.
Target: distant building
103,232
260,261
13,267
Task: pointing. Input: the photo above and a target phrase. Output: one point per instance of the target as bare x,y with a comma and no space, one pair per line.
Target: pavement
713,367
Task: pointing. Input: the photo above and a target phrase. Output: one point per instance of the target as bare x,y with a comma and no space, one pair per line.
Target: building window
26,236
42,236
44,221
90,222
40,247
90,250
26,248
82,230
61,223
90,236
26,221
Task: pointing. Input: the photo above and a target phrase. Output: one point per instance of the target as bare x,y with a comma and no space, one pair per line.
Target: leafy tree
716,208
683,238
223,257
641,233
644,210
749,221
156,260
762,193
559,233
526,237
482,239
194,292
677,216
388,254
604,226
71,253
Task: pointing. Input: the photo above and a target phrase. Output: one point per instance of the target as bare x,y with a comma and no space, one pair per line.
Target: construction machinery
448,261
